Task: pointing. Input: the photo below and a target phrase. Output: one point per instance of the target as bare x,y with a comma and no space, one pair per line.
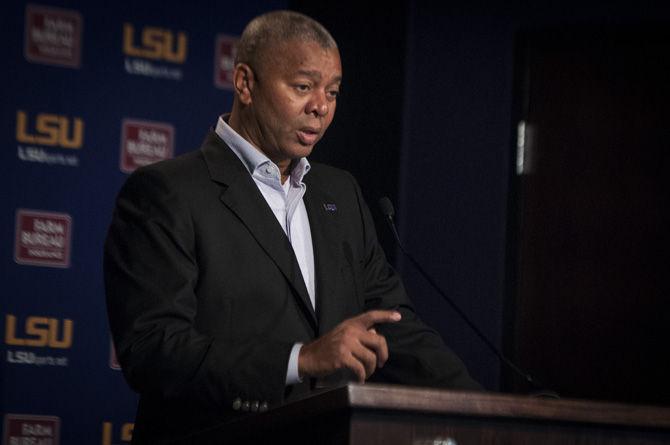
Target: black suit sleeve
417,354
151,280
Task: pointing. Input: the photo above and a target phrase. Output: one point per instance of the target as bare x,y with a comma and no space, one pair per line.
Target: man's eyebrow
310,73
316,75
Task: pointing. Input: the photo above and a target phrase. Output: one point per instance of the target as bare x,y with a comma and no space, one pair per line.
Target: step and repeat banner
90,93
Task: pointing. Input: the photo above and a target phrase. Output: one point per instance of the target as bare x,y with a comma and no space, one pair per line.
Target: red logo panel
145,142
42,238
27,429
53,36
224,61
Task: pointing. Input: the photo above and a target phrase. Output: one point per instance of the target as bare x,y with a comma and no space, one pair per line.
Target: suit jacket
206,299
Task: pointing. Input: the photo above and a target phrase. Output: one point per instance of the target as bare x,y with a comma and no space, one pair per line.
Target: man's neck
285,165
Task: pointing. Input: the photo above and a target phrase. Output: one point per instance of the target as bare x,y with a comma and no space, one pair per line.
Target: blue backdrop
90,91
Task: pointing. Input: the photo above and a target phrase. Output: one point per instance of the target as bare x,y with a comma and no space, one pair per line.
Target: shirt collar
252,158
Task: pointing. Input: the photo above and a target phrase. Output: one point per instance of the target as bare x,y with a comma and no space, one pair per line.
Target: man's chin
300,151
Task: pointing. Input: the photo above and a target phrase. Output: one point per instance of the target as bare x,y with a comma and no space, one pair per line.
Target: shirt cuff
292,374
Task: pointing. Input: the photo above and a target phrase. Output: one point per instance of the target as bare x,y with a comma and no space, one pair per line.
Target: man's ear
243,81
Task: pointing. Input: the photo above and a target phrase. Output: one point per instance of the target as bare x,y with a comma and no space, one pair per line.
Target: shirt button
263,407
237,403
254,406
268,170
245,406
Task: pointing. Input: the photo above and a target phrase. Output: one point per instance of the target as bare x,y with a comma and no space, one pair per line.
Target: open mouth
308,136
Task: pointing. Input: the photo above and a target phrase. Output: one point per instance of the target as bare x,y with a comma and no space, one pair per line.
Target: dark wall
448,69
454,176
459,149
464,55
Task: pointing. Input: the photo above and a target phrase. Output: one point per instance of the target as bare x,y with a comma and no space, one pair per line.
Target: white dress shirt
286,203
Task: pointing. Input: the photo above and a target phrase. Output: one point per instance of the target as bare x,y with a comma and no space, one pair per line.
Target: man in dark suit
239,276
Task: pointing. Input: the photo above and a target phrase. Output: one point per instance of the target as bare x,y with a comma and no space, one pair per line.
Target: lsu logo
155,44
51,130
126,433
39,332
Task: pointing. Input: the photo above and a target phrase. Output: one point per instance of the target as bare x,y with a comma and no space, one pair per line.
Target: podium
373,414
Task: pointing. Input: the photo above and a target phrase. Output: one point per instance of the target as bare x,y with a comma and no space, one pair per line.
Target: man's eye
333,93
302,88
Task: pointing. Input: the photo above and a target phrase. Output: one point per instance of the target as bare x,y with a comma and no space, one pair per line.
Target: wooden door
589,307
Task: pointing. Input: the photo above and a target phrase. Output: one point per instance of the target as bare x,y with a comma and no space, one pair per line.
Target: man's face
293,99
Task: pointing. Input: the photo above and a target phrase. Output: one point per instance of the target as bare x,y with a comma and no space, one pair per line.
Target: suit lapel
242,197
324,222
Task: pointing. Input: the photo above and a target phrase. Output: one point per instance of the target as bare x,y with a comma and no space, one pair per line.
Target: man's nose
319,104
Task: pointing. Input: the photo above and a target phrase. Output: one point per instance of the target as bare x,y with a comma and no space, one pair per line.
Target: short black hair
276,27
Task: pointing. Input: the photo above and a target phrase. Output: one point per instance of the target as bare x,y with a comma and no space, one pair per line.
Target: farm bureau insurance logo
147,51
144,142
42,138
26,429
37,332
52,36
225,51
43,238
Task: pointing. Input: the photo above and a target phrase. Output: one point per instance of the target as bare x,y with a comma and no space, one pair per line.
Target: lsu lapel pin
330,207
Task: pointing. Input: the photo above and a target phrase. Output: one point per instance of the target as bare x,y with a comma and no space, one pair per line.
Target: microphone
386,207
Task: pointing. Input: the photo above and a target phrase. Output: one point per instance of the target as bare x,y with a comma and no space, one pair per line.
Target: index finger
374,317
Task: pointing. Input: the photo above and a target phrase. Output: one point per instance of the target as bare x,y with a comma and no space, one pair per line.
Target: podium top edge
498,405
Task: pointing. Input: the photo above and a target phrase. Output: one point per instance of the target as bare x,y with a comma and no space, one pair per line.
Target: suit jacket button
237,403
245,406
254,406
263,407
